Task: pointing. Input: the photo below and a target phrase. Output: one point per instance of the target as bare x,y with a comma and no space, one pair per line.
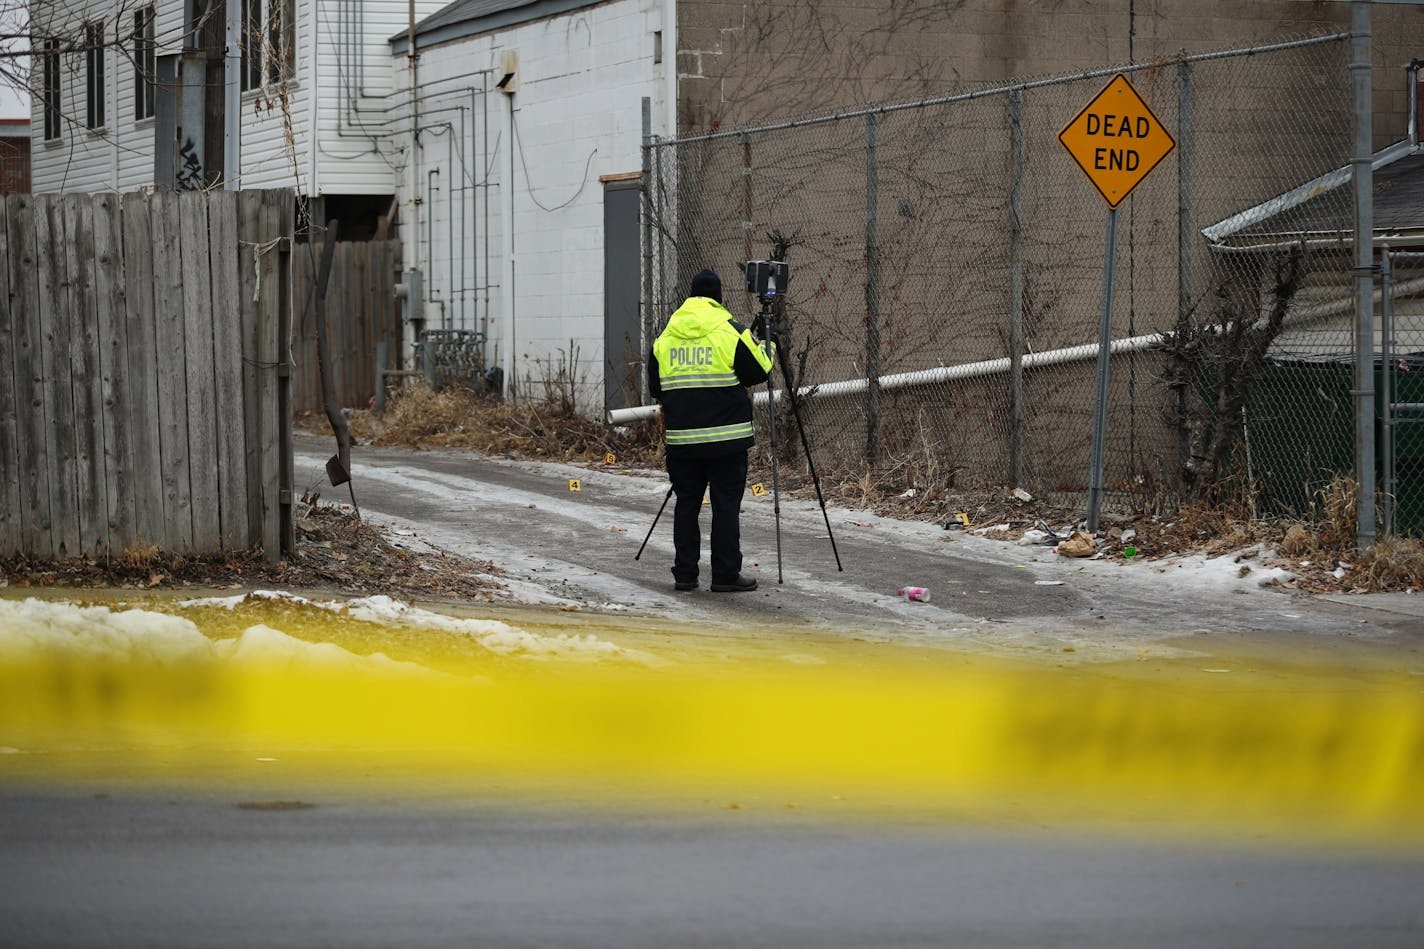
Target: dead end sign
1116,140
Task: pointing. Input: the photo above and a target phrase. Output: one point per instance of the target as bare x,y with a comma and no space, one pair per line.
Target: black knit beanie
707,284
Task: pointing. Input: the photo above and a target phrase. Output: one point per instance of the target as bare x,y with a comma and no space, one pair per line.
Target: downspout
670,64
412,164
313,92
506,335
1411,73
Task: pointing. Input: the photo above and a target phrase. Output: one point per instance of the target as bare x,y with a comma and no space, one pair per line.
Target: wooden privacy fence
361,311
143,373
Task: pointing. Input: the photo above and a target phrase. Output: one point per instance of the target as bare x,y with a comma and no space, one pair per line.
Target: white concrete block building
530,121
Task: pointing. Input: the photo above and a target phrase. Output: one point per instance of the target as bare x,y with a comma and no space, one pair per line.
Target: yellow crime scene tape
874,728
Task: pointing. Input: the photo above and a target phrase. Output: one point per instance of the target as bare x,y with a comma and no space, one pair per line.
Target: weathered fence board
228,372
57,336
119,463
10,514
86,375
249,235
139,315
172,386
31,446
273,354
198,360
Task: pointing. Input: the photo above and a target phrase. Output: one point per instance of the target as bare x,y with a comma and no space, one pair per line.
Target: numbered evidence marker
1116,140
758,490
575,484
610,459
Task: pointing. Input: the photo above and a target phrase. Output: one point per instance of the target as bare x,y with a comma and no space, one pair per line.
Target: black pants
724,480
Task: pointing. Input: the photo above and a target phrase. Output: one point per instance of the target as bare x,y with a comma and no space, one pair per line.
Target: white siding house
313,107
566,83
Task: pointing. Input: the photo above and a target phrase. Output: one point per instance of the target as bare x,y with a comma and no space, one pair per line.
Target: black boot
738,584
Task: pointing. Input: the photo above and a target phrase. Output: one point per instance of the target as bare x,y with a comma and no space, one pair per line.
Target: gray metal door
622,280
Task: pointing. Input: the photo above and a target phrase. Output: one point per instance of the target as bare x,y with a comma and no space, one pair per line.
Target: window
145,63
282,40
251,44
49,54
94,54
269,47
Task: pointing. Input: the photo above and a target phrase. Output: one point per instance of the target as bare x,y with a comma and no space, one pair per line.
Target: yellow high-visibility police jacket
699,369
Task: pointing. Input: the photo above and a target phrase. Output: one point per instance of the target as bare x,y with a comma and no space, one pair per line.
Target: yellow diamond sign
1116,140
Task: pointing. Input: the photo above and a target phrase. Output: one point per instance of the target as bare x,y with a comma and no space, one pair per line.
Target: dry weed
1339,501
1391,564
459,418
140,555
1299,543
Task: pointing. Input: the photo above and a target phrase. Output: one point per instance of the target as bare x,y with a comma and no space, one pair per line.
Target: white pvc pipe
903,380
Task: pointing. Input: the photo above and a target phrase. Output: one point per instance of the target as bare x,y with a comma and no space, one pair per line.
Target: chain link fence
947,270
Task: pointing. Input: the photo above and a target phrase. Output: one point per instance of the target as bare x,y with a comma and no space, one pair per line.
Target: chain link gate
946,262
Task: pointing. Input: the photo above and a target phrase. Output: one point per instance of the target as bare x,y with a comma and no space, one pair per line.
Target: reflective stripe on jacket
700,367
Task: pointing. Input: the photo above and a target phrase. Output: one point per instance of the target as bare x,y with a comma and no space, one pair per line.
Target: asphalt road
193,870
578,547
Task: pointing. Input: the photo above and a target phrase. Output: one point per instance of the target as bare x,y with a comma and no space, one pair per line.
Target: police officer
700,367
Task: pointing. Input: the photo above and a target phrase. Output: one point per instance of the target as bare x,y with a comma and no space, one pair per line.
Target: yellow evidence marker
758,490
575,484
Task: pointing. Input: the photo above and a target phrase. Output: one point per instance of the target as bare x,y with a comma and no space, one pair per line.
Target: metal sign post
1117,141
1100,397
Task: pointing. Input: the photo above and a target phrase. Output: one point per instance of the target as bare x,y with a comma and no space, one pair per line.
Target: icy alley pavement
575,548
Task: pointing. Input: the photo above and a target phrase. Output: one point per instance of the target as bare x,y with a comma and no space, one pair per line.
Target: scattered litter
1033,537
995,527
960,521
1129,551
1128,534
861,524
1079,544
914,594
909,493
1022,495
619,530
1048,583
